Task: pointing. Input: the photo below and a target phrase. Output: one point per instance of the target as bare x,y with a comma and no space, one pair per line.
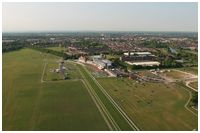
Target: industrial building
140,58
100,62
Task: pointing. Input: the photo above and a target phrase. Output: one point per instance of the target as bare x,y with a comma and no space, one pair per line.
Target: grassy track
29,104
116,115
153,106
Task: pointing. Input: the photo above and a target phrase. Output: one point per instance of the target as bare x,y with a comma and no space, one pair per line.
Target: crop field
29,104
153,106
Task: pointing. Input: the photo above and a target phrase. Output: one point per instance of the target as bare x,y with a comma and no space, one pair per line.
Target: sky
33,17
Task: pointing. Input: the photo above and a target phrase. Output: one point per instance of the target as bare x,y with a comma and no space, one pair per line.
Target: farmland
29,104
153,106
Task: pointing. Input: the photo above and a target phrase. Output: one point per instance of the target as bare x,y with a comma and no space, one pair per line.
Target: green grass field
29,104
114,113
153,106
53,63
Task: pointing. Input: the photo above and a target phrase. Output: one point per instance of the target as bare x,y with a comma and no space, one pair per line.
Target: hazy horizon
100,17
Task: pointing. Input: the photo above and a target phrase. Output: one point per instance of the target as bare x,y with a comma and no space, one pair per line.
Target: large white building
100,62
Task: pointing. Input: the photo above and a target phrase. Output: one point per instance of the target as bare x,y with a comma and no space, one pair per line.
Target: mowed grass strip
67,106
112,110
152,106
29,104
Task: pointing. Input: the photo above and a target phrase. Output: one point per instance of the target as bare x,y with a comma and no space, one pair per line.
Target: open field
193,70
178,75
29,104
153,106
80,103
53,63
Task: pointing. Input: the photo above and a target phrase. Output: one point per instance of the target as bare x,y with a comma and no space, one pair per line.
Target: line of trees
7,47
56,53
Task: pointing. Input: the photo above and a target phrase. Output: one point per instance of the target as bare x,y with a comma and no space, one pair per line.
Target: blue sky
100,17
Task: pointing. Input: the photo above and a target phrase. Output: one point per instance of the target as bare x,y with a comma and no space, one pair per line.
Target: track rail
104,112
125,116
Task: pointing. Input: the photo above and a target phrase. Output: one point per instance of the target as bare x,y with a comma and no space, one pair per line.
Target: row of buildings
140,58
131,58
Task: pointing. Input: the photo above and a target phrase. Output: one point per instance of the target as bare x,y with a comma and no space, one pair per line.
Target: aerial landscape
99,70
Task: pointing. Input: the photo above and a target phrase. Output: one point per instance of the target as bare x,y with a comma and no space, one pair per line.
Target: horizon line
91,31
